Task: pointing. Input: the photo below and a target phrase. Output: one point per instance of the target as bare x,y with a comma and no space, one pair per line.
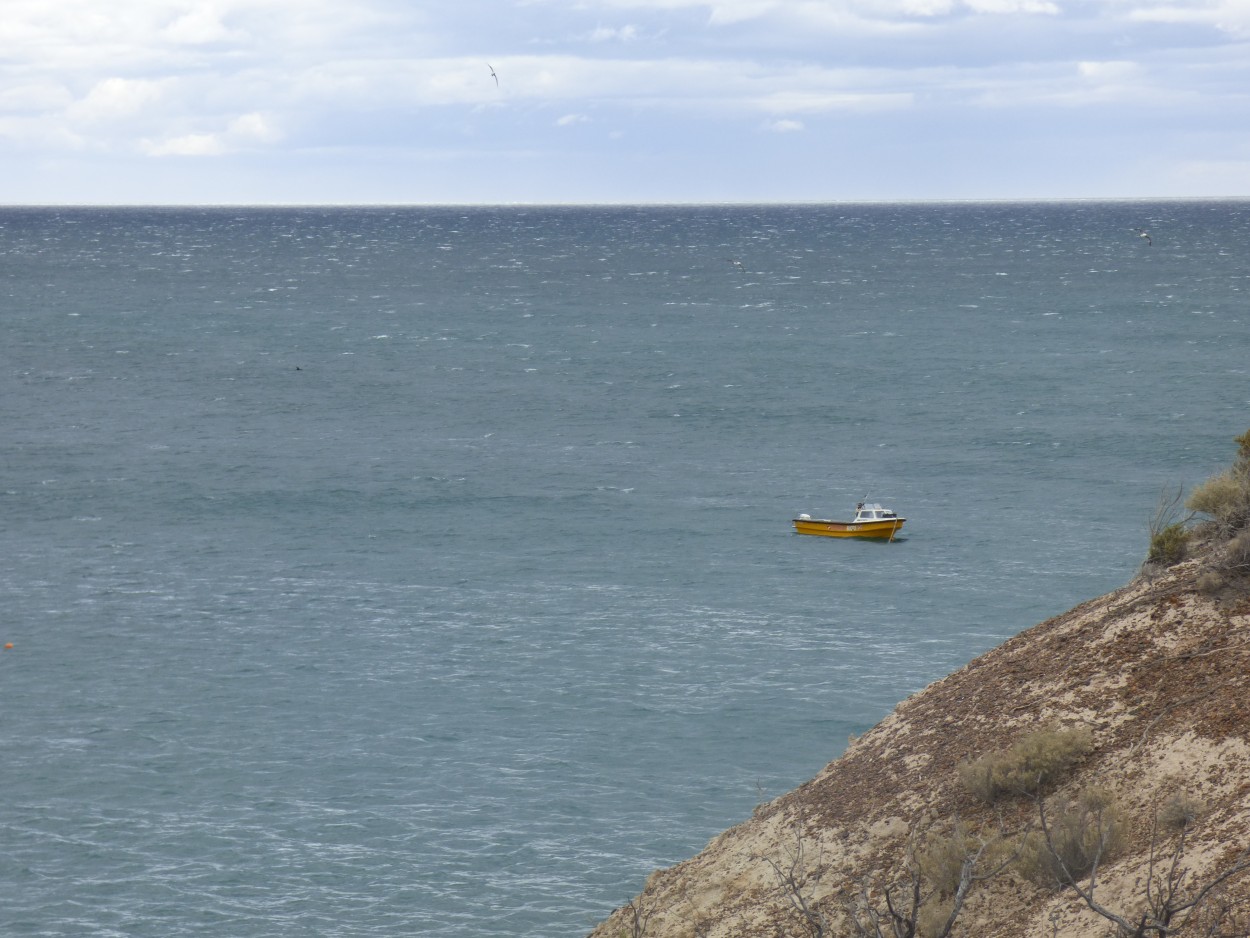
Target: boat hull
883,530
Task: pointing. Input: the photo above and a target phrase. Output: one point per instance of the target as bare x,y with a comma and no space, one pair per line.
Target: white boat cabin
865,511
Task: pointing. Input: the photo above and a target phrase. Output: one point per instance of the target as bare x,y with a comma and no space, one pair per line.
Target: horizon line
726,203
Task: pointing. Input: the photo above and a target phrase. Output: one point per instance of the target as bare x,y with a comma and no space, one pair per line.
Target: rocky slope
1159,674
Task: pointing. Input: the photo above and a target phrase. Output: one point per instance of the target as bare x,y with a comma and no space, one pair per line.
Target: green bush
1032,762
1226,497
1168,546
1078,833
1243,449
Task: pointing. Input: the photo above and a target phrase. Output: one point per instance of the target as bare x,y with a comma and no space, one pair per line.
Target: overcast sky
393,101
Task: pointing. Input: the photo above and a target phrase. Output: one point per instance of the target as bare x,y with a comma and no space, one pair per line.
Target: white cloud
142,37
254,128
1079,86
200,25
798,101
40,134
243,132
113,98
1229,16
35,97
619,34
730,12
736,11
1013,7
381,78
1108,71
186,145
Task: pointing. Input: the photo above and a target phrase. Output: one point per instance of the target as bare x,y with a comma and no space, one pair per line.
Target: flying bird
492,74
1143,233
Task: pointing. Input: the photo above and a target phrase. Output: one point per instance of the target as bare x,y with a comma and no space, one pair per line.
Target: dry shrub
1077,835
1229,567
1225,497
1226,911
1238,555
933,918
941,861
1210,582
942,858
1179,812
1032,762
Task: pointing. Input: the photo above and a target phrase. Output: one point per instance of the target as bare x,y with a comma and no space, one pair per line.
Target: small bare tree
900,916
797,873
1169,536
1172,902
639,915
924,899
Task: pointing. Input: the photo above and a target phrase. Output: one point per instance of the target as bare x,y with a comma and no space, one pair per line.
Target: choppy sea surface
429,571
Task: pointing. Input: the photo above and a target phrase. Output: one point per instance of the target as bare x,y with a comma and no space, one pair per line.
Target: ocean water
428,571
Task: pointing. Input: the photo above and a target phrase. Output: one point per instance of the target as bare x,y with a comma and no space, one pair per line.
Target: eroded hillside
1156,679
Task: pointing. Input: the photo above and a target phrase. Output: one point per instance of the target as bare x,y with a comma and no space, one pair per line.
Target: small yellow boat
871,521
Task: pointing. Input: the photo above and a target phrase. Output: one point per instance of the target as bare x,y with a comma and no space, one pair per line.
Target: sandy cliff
1158,672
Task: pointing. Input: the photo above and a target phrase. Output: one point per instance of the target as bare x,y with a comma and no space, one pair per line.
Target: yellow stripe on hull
867,529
